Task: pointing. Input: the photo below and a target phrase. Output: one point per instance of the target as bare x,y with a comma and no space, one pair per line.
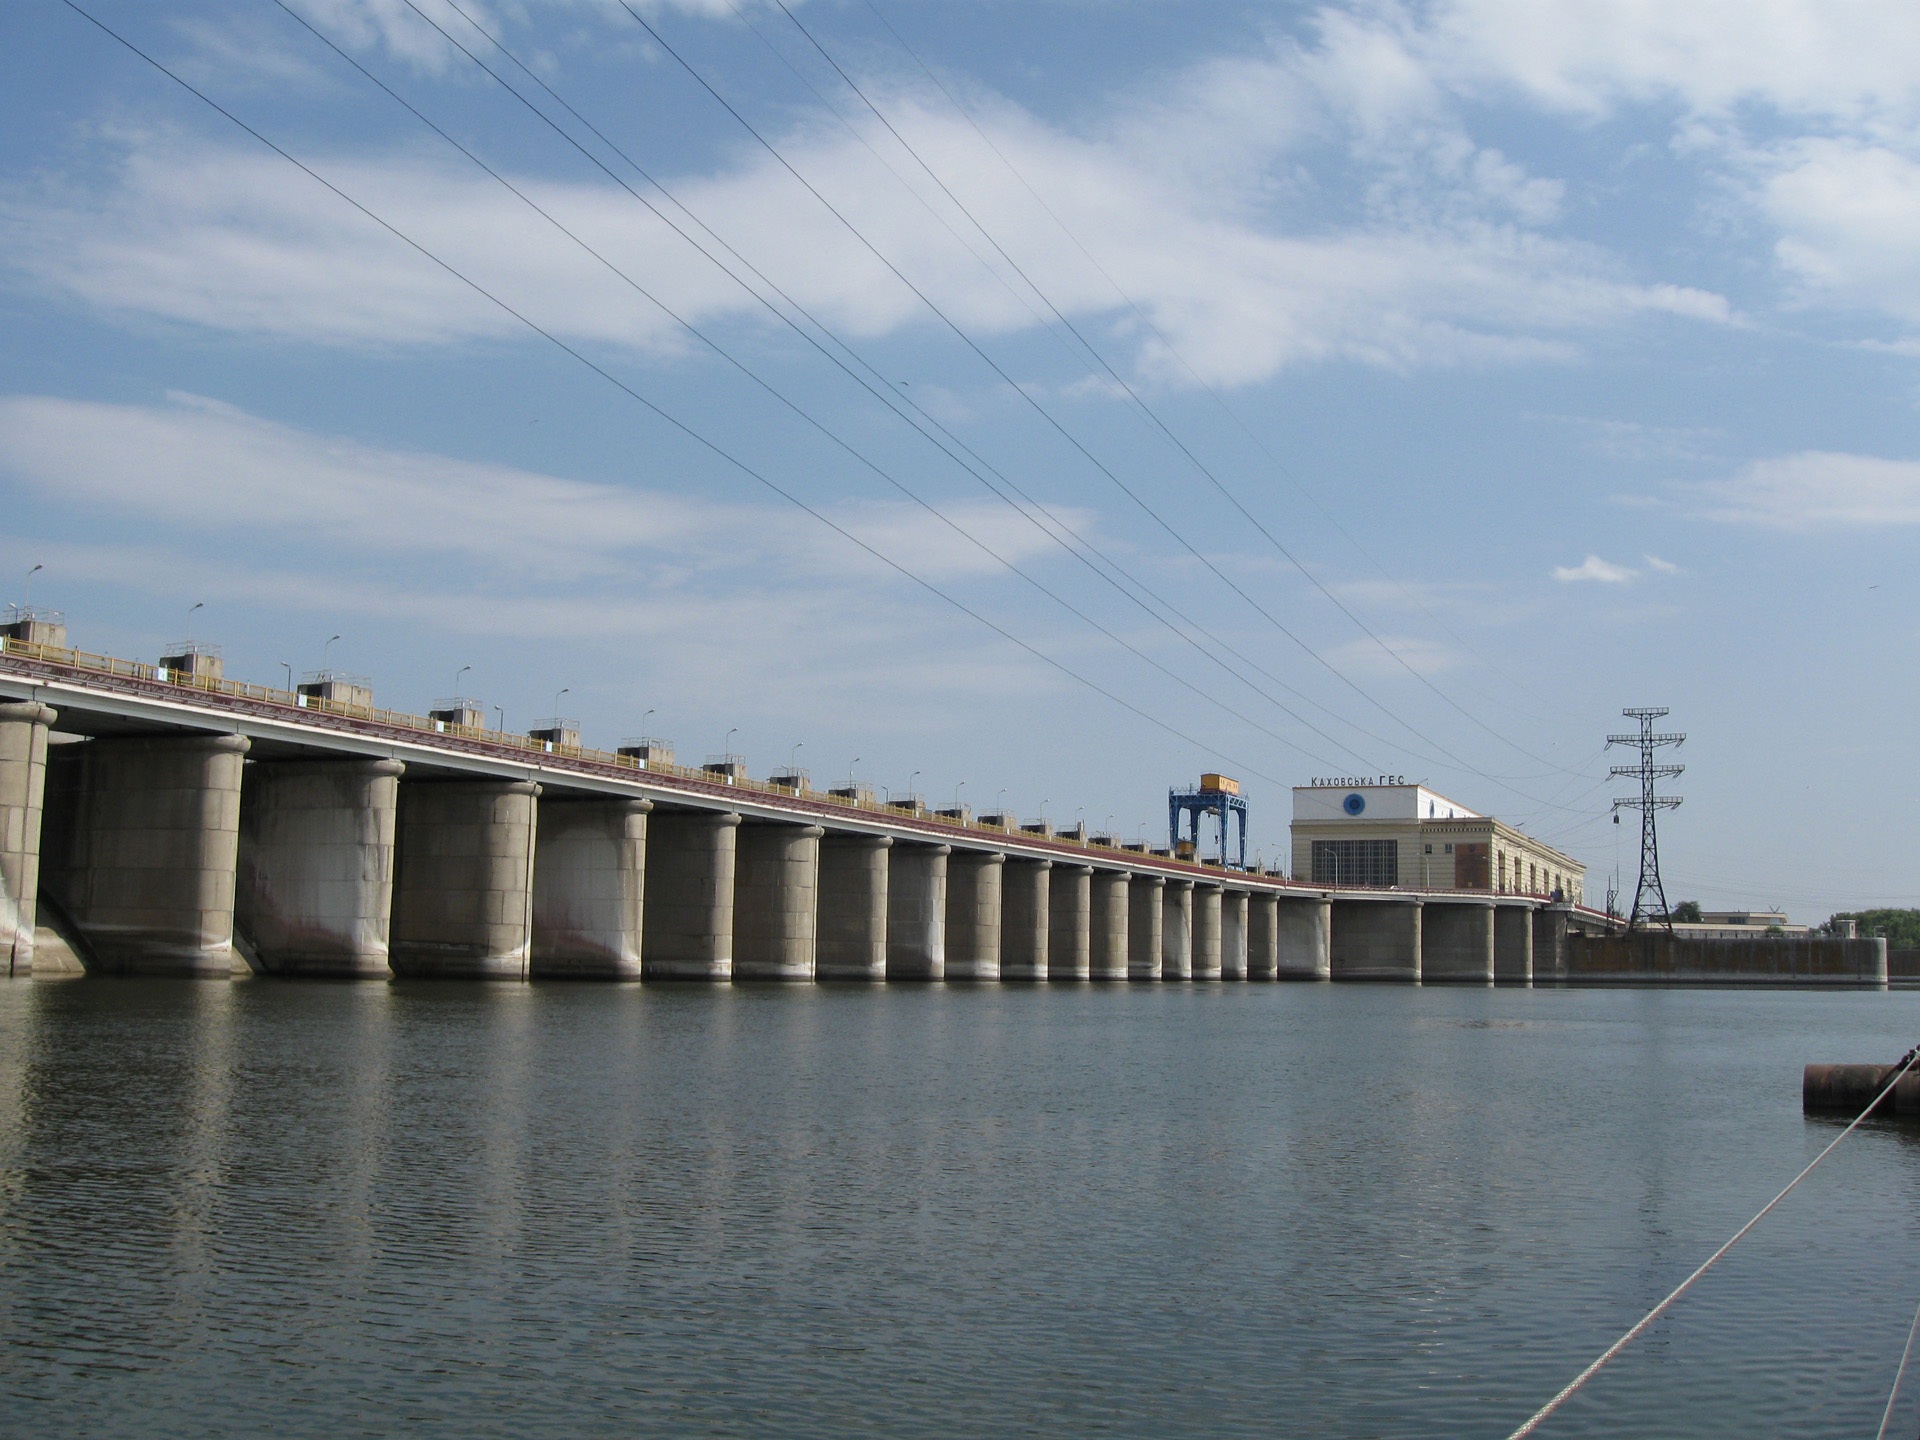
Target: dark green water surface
312,1210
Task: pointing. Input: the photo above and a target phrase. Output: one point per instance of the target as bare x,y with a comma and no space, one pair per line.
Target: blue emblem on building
1354,804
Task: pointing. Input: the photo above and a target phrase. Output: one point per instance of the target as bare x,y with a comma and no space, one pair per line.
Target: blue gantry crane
1217,795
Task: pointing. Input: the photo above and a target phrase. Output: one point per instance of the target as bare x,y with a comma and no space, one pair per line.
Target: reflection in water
1170,1210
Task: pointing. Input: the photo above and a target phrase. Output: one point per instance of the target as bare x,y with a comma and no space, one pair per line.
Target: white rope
1687,1284
1881,1433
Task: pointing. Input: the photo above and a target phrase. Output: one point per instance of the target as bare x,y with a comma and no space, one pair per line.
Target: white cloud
1849,221
1819,490
397,28
1445,263
1594,568
1662,567
202,467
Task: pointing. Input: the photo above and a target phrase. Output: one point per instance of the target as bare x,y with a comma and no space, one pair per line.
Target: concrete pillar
1456,942
315,894
1206,932
1550,944
1512,945
463,879
1233,935
146,842
1070,923
917,912
1176,931
23,788
1375,940
974,902
852,943
776,901
688,929
1145,894
1108,932
1263,936
1303,930
1026,890
589,888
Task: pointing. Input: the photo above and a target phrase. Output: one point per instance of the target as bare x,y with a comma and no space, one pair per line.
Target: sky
1030,403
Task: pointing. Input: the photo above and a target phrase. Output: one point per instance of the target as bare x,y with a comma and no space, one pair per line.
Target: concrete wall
1512,945
1375,940
1145,897
1026,889
1108,930
315,892
687,932
1456,942
463,879
1550,944
1263,937
145,840
1654,957
1176,931
852,940
917,912
974,903
1233,935
1303,930
589,888
1206,932
23,786
1070,923
776,901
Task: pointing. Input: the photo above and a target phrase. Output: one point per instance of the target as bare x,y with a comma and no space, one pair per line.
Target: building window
1449,849
1356,862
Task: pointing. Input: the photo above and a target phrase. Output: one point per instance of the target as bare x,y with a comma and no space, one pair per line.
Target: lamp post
913,790
956,793
324,649
1000,806
643,725
563,690
458,676
727,748
26,587
288,667
793,757
501,711
850,764
197,605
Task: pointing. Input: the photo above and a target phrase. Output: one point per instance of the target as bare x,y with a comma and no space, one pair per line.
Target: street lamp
563,690
501,711
956,793
728,747
197,605
458,675
793,756
323,652
26,586
850,764
913,789
288,667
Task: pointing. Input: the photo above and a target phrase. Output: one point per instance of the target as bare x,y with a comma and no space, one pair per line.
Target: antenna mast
1649,890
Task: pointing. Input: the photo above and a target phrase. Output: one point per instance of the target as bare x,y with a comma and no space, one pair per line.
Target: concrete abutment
687,931
589,888
463,879
23,788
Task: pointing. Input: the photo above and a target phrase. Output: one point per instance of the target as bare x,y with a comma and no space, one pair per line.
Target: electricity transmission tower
1649,890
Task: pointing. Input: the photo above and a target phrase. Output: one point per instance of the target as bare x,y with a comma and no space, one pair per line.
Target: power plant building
1387,833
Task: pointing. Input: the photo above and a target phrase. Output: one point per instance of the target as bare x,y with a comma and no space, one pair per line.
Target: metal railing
162,683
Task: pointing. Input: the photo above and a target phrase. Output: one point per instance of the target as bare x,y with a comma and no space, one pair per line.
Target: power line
1146,319
886,395
683,427
1139,402
1052,421
784,400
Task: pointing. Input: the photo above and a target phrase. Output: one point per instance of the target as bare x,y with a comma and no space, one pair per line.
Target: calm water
313,1210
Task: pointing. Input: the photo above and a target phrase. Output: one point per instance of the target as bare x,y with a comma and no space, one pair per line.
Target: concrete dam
161,819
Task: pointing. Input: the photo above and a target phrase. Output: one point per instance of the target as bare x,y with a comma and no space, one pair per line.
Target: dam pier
161,819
